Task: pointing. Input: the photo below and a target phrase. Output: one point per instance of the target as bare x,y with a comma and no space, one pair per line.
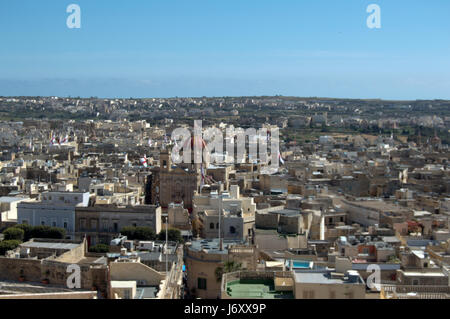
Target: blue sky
147,48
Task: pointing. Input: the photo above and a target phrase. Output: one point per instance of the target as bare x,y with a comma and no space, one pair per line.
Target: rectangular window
65,223
202,283
94,224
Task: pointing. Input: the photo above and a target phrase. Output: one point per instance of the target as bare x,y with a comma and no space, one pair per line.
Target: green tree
138,233
173,235
229,266
128,231
14,233
197,227
8,245
41,232
145,233
48,232
27,231
99,248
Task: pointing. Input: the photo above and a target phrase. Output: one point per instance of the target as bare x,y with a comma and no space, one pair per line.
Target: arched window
211,226
232,230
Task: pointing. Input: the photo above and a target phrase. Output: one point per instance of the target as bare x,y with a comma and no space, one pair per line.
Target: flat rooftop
378,204
146,292
391,239
287,212
11,287
424,274
256,289
320,278
7,199
122,284
156,256
49,245
213,245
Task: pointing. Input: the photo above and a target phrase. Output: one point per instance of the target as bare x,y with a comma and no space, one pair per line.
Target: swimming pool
299,264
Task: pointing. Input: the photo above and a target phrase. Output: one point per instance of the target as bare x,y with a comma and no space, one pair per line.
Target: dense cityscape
220,159
95,206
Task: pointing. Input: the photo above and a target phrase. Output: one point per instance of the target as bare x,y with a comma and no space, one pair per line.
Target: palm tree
229,266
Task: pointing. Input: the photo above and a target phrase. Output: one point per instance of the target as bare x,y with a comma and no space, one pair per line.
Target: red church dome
196,141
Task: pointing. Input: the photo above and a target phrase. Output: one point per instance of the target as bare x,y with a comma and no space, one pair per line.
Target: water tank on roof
353,276
115,242
24,252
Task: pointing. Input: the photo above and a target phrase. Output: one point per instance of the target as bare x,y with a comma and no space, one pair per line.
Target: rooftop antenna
167,245
220,217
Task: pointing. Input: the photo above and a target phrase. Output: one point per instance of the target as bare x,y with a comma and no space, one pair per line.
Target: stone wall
266,220
135,271
73,255
12,269
290,224
58,295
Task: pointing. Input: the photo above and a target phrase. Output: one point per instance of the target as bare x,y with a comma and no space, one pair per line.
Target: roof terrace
257,285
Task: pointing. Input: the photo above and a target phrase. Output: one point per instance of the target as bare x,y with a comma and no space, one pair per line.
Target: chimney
234,190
